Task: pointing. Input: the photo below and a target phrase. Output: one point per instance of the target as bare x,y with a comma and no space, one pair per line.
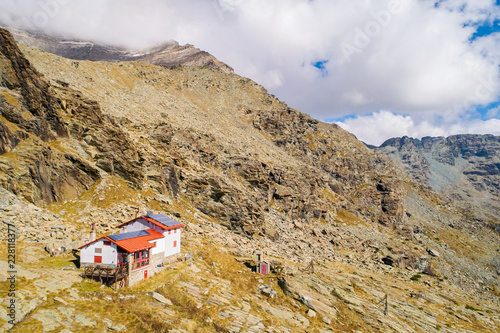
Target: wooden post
386,310
385,301
310,266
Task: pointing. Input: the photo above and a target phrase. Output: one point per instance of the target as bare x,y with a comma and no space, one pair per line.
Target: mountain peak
169,54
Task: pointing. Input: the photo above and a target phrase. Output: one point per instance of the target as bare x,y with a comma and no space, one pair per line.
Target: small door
145,274
263,268
98,259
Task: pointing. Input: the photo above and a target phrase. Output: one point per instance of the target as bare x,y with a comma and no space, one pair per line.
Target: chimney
259,256
92,232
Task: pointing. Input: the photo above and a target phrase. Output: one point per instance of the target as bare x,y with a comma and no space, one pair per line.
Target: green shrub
469,307
415,277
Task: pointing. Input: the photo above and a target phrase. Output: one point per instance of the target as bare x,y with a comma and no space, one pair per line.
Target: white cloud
374,129
408,56
493,113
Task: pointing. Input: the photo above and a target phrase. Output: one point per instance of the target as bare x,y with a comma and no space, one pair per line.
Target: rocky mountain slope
463,168
220,140
85,141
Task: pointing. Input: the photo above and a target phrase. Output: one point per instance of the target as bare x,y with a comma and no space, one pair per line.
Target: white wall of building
108,252
160,246
175,236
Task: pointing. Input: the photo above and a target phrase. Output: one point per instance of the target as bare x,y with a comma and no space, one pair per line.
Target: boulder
162,299
433,252
267,290
422,264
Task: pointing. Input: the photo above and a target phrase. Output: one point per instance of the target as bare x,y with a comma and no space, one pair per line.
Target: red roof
139,243
153,234
134,244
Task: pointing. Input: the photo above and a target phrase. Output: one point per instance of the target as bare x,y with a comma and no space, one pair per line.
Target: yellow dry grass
348,218
10,99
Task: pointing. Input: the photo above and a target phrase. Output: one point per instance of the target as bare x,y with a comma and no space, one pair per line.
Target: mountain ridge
464,168
169,54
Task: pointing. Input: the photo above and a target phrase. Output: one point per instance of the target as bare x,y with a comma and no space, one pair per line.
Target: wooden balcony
115,277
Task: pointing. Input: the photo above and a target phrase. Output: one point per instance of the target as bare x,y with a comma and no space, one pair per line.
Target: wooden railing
116,275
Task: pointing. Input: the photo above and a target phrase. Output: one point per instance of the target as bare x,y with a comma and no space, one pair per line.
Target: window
122,258
175,243
175,231
169,232
98,259
107,243
140,259
98,250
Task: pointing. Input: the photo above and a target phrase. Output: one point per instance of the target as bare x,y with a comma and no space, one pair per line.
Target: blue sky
486,28
379,69
321,65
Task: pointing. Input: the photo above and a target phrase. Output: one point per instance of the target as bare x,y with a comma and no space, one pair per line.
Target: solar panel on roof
127,235
165,220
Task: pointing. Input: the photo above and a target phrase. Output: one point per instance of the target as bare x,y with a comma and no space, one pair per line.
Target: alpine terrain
356,241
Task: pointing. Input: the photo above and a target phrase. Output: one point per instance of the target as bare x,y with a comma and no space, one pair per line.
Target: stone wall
138,275
157,259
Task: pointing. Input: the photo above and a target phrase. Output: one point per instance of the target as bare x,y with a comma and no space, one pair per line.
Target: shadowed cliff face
29,121
464,168
19,75
34,119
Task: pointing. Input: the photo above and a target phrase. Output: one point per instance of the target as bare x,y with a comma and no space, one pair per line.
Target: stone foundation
155,260
138,275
